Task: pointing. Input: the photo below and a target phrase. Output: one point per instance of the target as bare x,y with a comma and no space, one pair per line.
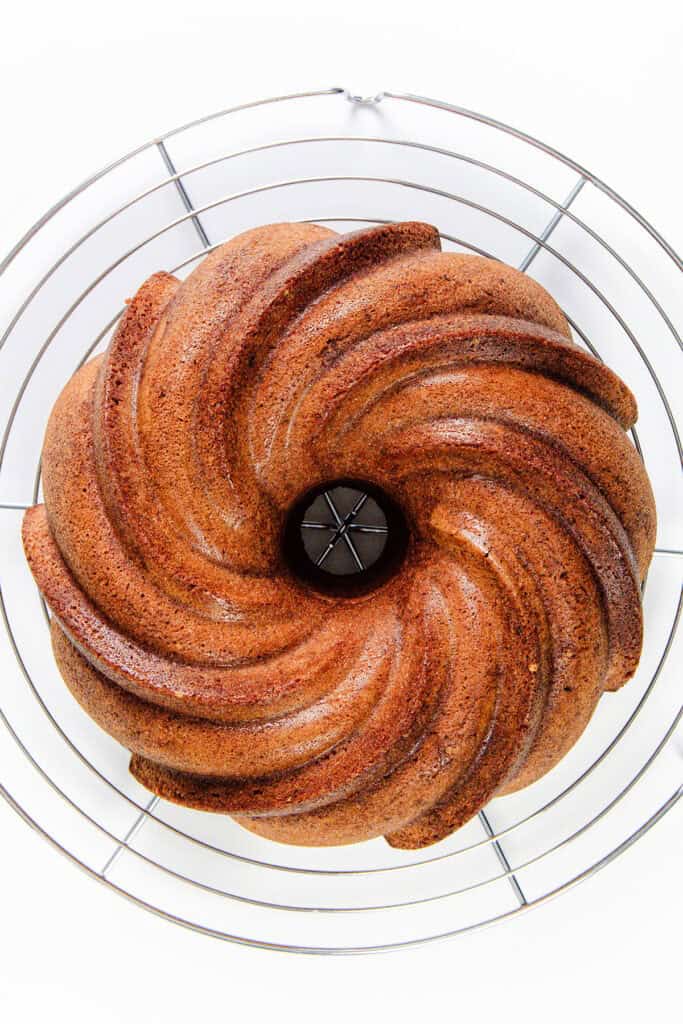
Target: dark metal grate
334,542
345,537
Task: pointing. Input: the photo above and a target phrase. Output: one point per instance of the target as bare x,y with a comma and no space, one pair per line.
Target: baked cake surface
290,357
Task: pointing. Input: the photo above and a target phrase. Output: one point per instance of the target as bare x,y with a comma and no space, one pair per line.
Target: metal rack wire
177,864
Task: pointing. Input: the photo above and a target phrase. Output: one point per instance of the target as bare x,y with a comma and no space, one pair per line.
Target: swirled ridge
290,357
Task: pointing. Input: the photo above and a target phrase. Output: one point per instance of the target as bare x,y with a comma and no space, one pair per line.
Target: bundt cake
290,360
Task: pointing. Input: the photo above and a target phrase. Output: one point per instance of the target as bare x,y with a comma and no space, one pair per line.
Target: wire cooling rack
344,160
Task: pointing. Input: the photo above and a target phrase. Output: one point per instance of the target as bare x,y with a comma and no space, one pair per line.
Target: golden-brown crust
293,356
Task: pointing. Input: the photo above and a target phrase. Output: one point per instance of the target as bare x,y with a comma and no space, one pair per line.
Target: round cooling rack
345,160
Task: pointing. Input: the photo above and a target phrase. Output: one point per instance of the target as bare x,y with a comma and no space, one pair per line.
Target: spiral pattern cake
293,357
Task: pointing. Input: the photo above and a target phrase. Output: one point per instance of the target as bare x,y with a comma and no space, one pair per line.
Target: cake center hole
346,536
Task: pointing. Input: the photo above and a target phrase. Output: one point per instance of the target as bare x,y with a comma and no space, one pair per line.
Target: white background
82,83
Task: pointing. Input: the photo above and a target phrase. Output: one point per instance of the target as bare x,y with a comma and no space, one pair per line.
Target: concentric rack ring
582,816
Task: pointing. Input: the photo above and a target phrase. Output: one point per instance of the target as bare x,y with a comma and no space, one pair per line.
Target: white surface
602,90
